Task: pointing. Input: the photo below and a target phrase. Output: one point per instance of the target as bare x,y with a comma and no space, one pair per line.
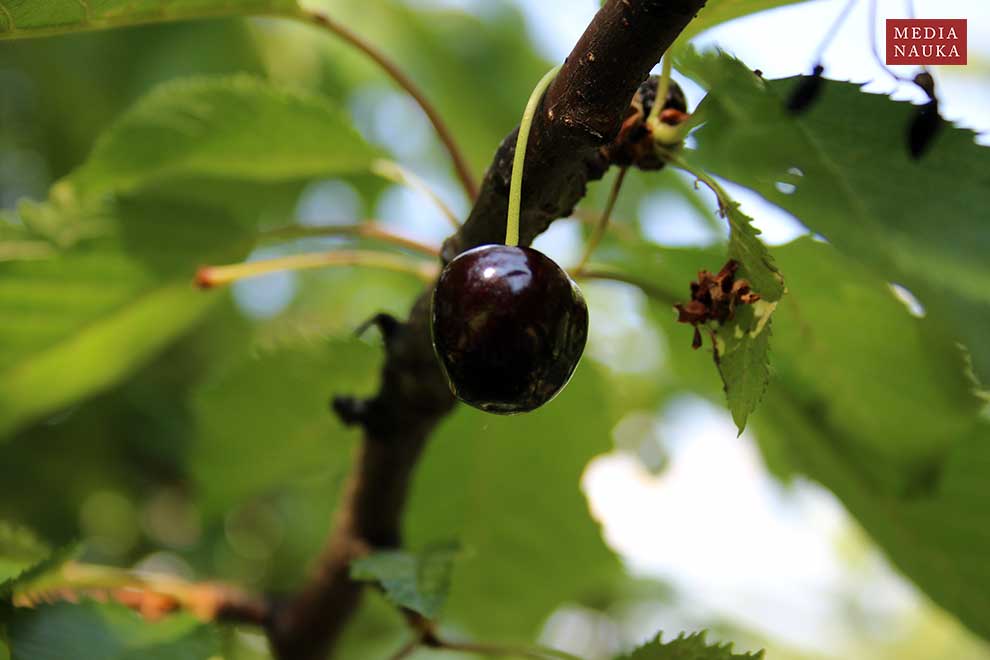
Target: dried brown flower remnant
636,145
714,298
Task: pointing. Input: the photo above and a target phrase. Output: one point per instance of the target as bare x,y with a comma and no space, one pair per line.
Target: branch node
349,409
387,324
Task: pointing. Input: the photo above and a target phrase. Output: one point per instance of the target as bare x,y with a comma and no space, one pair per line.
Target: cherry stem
599,231
833,30
873,45
392,171
402,80
407,650
596,272
213,276
663,87
519,158
724,200
369,230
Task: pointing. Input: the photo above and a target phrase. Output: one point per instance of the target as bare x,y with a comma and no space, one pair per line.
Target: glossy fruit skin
509,327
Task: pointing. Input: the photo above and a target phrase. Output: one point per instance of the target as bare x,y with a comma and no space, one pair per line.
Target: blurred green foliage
687,647
175,429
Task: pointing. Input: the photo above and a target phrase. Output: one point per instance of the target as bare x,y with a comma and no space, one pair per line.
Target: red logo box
926,41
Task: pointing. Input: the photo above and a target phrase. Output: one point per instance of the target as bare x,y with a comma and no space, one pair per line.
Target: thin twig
213,276
592,218
406,650
392,171
368,230
873,45
650,289
402,80
151,594
599,231
724,200
833,30
912,14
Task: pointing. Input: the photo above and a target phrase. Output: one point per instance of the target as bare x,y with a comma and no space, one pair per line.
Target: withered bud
714,298
634,145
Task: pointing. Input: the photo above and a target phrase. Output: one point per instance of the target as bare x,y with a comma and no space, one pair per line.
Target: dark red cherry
509,326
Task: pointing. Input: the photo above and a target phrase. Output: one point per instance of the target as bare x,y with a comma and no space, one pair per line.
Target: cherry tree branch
581,113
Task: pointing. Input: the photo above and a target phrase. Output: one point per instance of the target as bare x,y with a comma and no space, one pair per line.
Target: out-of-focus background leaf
416,581
94,631
83,318
188,432
504,486
35,18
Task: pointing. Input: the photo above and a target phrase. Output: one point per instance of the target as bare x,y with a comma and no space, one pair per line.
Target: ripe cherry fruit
509,326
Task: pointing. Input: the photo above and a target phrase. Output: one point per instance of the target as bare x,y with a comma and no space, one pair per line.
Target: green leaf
873,403
93,631
418,582
716,12
741,343
79,322
24,558
265,422
755,262
843,169
893,381
37,18
19,243
687,647
508,488
233,128
742,357
844,342
19,549
934,531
